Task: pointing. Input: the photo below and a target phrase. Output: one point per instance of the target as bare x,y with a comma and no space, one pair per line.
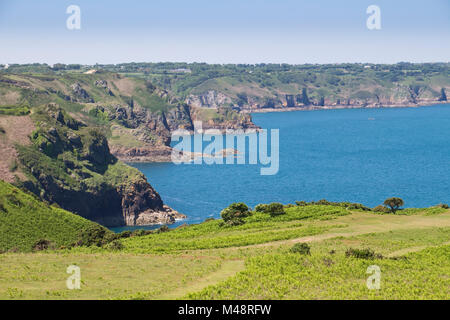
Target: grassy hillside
254,260
24,220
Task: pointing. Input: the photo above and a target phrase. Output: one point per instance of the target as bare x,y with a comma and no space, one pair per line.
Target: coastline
155,156
339,107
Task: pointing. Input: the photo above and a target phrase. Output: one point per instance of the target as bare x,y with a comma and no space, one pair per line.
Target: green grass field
24,220
253,260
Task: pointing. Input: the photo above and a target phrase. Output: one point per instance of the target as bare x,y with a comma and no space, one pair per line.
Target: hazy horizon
225,32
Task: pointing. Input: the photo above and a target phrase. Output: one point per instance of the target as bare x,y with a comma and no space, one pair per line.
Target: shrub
261,208
235,210
139,233
93,235
115,245
357,206
109,237
42,244
125,234
275,209
301,203
163,228
362,254
323,202
443,205
394,203
302,248
235,222
381,208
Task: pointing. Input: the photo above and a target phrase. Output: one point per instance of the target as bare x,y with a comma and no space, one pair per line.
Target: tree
393,203
235,211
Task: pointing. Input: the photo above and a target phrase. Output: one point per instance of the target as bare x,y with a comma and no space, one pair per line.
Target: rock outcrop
210,99
79,94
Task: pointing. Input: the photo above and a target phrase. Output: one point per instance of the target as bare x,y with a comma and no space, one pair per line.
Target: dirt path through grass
404,251
228,269
363,223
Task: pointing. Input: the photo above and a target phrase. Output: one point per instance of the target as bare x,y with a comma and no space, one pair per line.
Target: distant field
253,261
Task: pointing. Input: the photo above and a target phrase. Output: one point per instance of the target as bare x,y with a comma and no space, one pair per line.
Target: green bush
362,254
42,244
275,209
235,210
125,234
443,205
357,206
163,228
140,233
301,203
302,248
381,208
115,245
235,222
94,235
261,207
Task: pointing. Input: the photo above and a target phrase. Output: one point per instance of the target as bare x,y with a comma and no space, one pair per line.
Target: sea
356,155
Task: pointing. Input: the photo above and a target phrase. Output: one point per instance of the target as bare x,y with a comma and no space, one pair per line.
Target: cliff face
70,164
153,130
210,99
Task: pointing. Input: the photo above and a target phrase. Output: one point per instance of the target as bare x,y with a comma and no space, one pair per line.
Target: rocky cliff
70,164
136,117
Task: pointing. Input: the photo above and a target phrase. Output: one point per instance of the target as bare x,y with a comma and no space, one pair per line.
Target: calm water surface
358,155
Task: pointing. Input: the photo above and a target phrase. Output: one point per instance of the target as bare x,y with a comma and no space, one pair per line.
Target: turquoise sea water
358,155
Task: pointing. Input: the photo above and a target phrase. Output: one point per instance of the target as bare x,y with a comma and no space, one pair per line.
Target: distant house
180,70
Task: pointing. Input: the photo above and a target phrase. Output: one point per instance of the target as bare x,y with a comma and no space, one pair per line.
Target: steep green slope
70,164
24,220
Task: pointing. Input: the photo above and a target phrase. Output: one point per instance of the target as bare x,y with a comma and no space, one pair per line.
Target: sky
224,31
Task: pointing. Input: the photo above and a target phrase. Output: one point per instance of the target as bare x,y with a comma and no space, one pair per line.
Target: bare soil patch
14,130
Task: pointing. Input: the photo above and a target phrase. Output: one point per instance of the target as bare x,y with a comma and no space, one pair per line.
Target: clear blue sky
224,31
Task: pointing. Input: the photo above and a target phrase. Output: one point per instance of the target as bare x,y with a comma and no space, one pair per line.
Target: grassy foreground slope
24,220
253,260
